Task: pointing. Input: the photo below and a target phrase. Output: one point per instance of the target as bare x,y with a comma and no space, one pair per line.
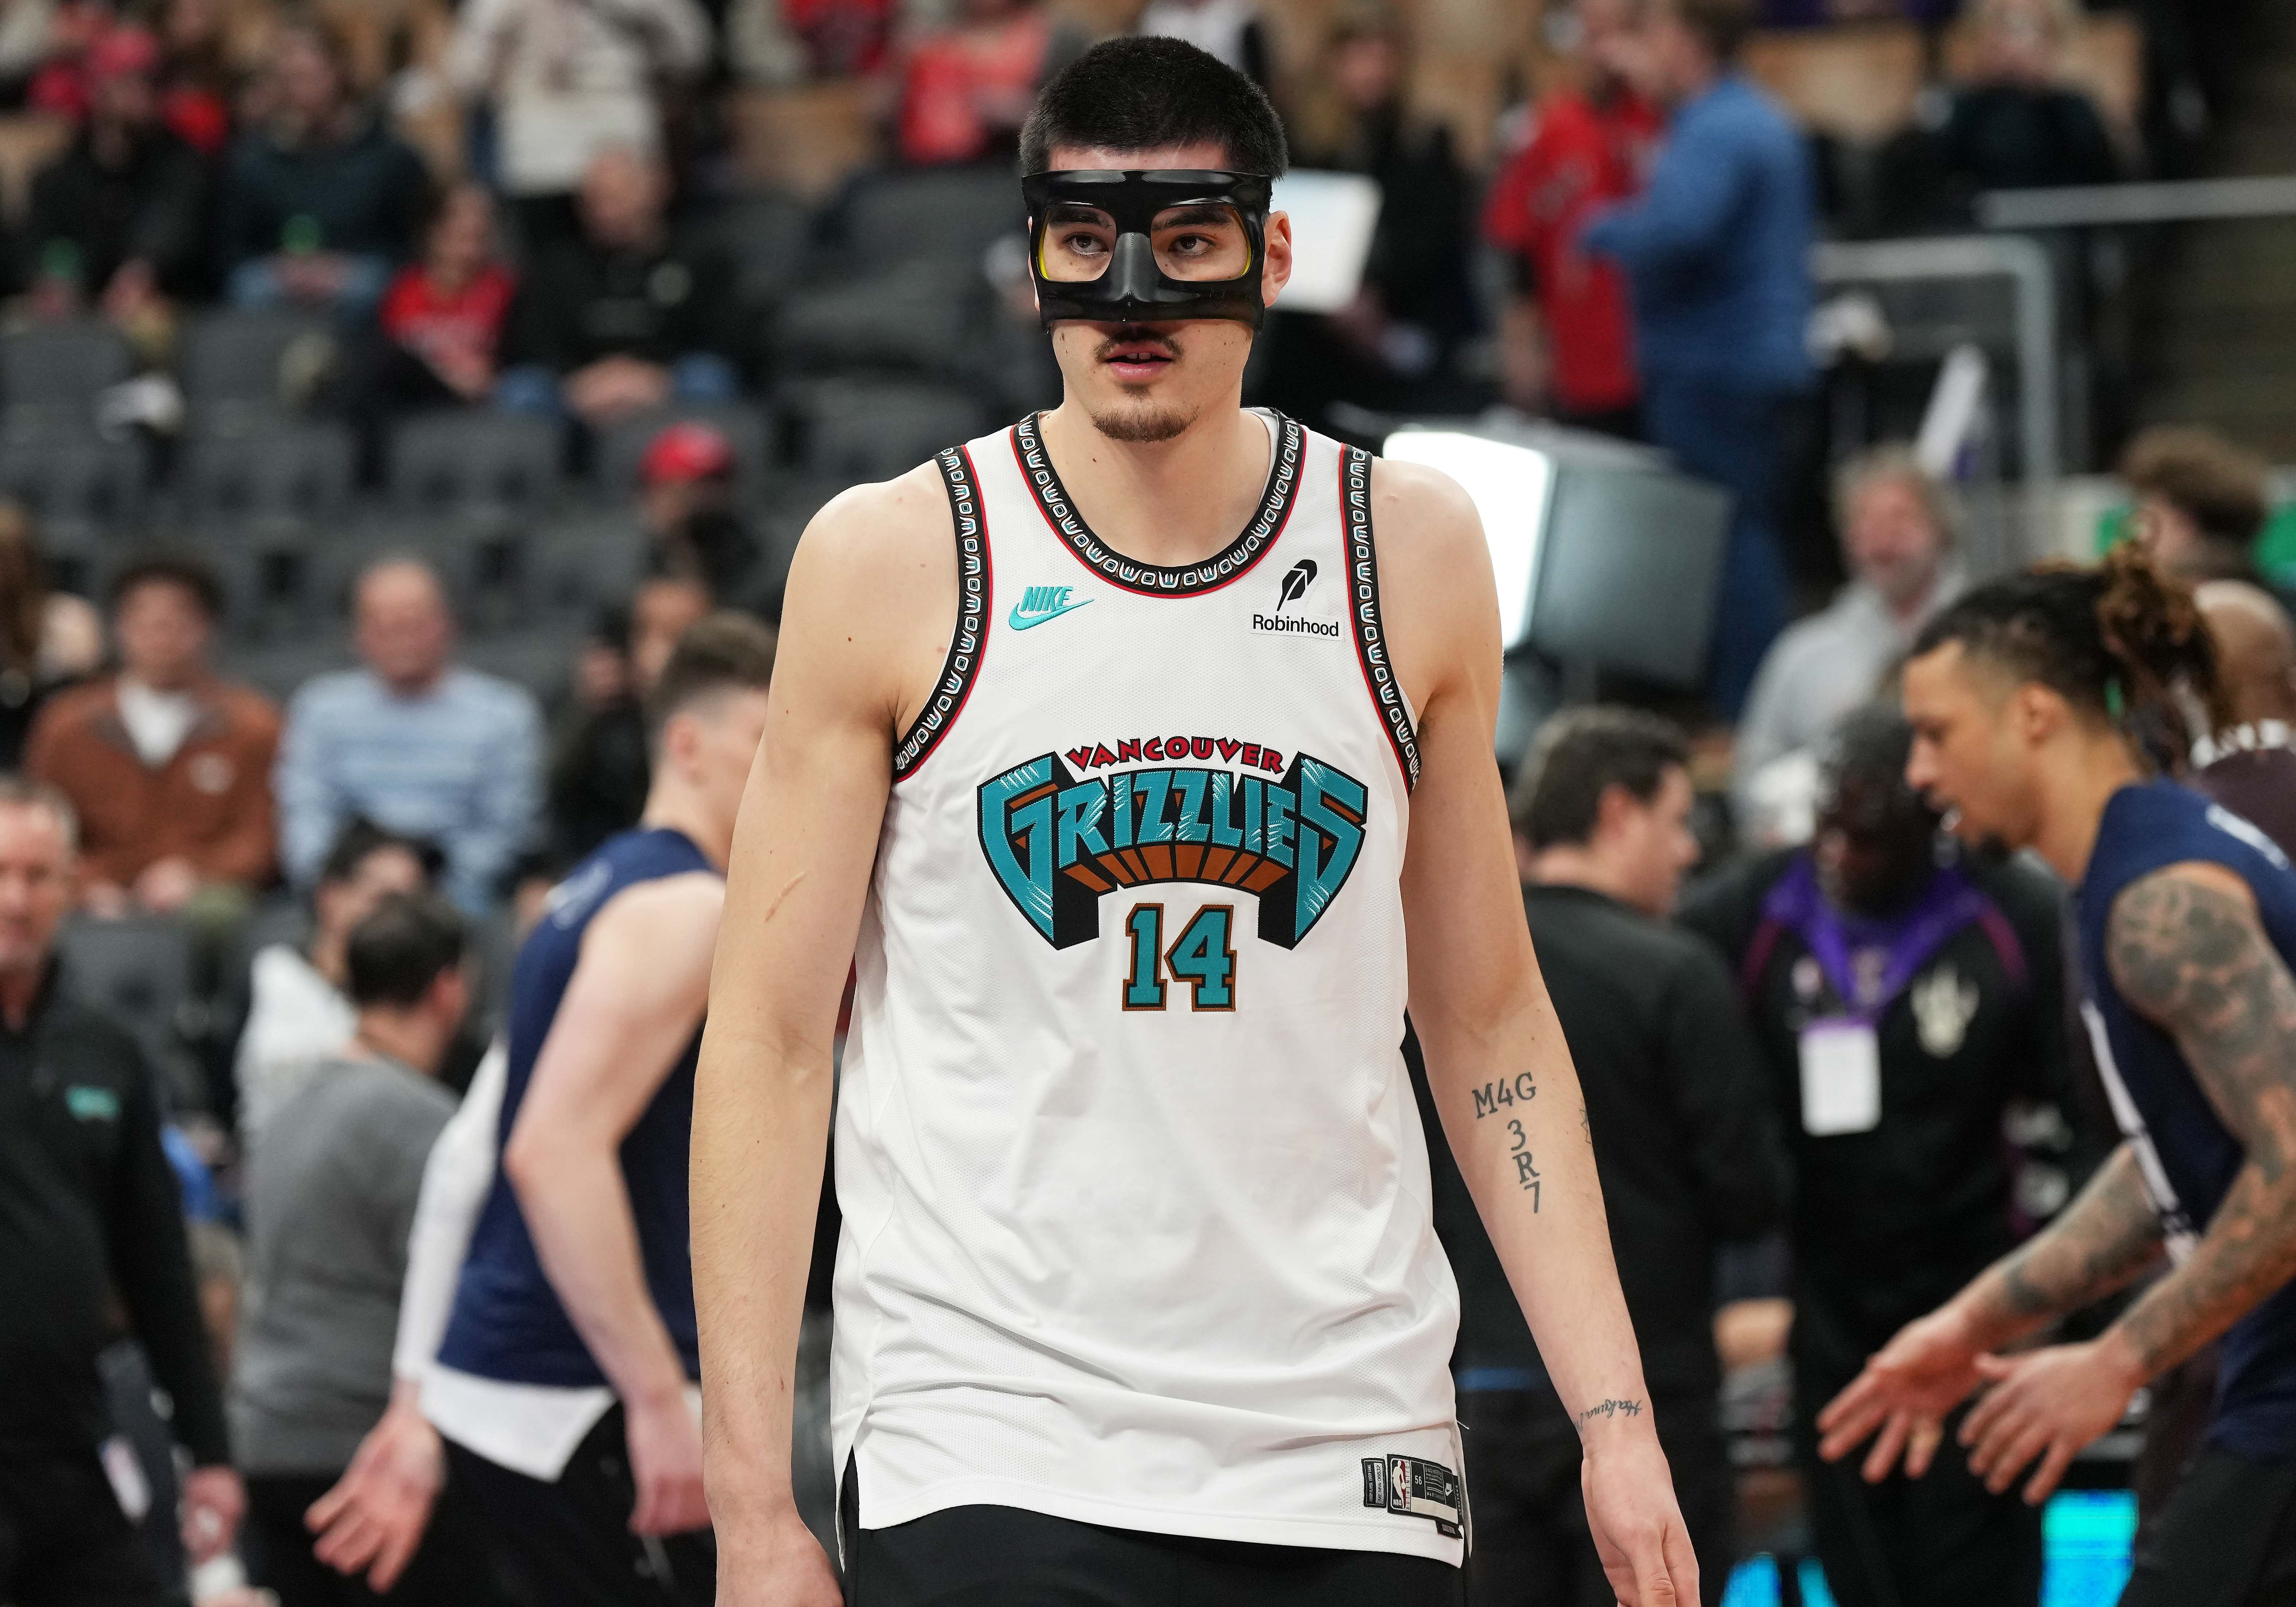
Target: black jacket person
1903,1001
88,1209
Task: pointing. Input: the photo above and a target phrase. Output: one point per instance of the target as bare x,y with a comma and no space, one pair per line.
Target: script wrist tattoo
1602,1409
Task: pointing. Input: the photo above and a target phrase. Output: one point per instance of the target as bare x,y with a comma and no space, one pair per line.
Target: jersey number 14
1203,957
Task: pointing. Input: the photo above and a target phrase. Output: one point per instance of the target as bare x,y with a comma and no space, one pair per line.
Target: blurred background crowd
386,385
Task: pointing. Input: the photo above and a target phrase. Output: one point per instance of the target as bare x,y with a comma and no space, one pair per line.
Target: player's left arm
2188,953
1496,1064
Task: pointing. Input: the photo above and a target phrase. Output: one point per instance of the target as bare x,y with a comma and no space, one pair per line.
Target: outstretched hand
373,1520
1906,1391
1638,1527
2051,1404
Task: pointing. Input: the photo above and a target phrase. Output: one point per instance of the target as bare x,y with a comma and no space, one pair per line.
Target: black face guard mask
1133,288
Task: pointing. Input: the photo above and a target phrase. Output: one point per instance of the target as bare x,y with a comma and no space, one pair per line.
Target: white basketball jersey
1136,1194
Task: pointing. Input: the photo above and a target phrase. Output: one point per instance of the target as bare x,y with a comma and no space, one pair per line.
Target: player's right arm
871,604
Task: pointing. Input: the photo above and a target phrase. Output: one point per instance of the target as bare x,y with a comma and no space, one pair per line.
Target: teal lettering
1222,811
1190,784
1081,808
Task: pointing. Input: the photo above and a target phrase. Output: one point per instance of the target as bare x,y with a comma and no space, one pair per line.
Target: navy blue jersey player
565,1383
2033,700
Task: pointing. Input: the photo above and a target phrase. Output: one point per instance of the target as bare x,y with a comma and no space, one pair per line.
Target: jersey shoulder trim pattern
1370,636
1161,580
963,665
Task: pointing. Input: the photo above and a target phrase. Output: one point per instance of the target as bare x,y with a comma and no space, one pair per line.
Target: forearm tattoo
2104,1238
1504,1099
1610,1408
2191,957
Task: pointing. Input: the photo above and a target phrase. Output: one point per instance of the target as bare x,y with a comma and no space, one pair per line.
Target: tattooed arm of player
1496,1064
2188,953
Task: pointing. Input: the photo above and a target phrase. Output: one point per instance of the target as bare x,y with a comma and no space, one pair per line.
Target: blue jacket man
1716,251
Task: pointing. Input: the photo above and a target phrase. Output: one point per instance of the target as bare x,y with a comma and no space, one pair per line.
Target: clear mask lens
1203,243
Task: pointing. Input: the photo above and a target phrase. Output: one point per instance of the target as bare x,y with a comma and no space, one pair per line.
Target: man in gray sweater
331,1197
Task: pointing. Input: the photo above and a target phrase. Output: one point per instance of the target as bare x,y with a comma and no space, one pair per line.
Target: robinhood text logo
1056,843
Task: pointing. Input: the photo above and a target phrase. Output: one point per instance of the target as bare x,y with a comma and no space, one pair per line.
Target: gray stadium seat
67,473
139,972
769,238
746,428
853,430
236,363
274,465
574,565
474,456
949,215
62,368
921,317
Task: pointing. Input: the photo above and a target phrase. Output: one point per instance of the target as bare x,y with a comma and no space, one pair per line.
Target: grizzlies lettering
1056,843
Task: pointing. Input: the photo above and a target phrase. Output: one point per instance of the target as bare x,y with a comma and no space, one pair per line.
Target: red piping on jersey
1060,537
987,618
1355,626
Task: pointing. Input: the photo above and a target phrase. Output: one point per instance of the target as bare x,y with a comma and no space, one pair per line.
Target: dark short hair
399,950
1864,754
1721,25
724,652
169,567
1145,94
361,837
1581,754
2213,483
2120,642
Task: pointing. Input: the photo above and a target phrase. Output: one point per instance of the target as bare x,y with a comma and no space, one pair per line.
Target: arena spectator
599,768
1902,999
966,89
330,1196
48,639
321,202
629,315
2199,502
91,1224
1716,253
168,765
570,81
2016,124
1391,348
1566,330
27,29
774,44
413,743
442,317
297,1008
1685,1142
1230,29
196,76
121,218
1898,527
685,500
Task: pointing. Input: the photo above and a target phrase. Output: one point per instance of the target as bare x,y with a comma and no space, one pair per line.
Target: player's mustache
1138,335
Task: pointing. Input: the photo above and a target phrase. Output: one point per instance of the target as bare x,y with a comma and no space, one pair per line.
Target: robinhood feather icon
1296,582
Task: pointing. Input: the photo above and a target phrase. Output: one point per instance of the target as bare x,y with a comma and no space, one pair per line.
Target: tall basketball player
564,1384
1143,753
2023,698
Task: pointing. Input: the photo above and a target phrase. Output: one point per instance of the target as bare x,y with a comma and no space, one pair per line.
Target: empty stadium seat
238,362
921,317
769,238
577,565
67,473
62,368
621,448
948,215
464,457
854,430
139,972
284,466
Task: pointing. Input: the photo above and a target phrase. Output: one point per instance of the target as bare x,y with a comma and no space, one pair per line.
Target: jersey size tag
1411,1487
1841,1078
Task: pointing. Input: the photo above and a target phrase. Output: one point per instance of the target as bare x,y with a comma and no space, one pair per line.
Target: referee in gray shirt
330,1196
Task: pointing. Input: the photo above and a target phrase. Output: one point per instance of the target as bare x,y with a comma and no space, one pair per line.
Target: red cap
690,450
121,51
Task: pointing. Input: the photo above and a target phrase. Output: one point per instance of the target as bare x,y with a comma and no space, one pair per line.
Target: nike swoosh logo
1021,622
